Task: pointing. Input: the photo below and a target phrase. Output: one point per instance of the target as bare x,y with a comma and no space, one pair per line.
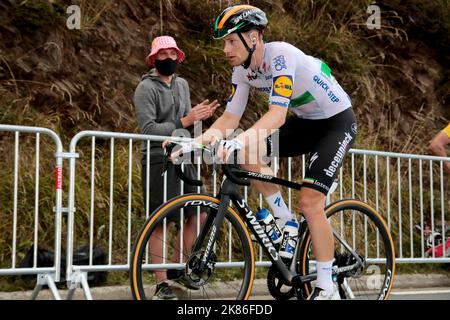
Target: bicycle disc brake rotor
277,288
200,277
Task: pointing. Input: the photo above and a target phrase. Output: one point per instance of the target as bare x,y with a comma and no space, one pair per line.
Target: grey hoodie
156,110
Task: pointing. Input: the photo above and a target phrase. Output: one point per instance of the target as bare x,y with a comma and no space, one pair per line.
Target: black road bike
221,263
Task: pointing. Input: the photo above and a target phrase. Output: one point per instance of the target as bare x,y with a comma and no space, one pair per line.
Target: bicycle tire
380,288
184,201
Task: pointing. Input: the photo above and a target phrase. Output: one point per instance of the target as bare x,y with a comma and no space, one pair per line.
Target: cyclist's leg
284,143
312,204
326,158
254,161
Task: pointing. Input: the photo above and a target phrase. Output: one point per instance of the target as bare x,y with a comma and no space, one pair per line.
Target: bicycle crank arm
300,280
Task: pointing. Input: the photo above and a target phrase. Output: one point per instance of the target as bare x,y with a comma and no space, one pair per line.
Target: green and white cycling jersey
291,79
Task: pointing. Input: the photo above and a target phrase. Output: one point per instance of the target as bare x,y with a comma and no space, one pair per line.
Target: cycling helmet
240,18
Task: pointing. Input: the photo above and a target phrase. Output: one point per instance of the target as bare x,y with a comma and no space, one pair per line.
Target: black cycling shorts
327,141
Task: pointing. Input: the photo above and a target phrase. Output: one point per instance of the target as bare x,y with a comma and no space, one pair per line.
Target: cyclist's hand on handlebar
175,154
165,143
227,147
183,147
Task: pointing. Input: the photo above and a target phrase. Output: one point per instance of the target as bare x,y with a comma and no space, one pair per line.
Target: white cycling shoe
320,294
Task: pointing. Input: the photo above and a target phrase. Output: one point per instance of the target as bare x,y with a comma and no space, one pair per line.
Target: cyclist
323,123
438,143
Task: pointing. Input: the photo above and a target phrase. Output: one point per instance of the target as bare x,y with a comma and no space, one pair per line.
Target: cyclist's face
166,53
234,49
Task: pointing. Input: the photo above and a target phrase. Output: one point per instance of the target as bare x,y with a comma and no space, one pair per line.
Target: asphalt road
438,293
406,287
422,294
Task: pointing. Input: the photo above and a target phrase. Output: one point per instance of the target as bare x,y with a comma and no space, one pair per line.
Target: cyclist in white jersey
323,124
317,95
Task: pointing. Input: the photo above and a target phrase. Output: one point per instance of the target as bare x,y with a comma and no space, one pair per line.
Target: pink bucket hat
164,42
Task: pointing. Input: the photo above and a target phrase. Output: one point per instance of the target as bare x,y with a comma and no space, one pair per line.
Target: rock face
71,80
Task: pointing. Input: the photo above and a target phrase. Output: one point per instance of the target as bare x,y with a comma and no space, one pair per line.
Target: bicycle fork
213,222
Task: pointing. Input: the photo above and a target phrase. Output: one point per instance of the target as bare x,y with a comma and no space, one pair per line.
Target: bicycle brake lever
167,153
214,167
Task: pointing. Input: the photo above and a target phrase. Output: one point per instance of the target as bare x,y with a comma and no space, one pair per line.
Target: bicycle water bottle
271,228
289,243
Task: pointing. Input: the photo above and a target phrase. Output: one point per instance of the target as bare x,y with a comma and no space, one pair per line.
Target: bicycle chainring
277,288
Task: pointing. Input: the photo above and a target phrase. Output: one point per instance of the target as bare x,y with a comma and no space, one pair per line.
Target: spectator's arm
187,121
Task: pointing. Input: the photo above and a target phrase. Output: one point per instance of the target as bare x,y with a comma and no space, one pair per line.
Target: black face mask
166,67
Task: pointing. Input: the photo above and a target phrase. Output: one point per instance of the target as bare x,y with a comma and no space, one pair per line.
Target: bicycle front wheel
164,248
363,245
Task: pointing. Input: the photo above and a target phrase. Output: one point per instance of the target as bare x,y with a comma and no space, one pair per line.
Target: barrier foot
79,279
45,279
85,285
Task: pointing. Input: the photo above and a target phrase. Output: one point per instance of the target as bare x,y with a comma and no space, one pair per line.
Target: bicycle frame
229,193
236,176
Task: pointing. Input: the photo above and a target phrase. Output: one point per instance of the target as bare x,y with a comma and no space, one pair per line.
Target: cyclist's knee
311,203
306,206
251,166
252,158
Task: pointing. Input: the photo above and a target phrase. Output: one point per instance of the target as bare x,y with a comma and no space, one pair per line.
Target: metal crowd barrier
408,190
45,275
117,260
371,176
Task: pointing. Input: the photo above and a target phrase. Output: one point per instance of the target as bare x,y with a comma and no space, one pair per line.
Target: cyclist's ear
253,35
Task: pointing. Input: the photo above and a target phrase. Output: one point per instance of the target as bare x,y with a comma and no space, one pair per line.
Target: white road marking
420,292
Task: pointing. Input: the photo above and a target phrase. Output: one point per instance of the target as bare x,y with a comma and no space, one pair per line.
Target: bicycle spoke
170,246
358,241
214,280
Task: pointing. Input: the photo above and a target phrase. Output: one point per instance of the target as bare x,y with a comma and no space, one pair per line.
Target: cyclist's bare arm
269,122
218,130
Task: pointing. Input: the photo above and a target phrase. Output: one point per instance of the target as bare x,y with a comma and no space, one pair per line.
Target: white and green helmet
240,18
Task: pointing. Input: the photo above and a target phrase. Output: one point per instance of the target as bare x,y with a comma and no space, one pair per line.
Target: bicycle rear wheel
229,274
362,240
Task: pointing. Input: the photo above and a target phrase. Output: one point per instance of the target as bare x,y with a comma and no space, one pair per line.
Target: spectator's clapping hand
204,110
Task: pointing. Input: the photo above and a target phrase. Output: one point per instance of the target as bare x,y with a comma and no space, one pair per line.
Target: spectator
162,103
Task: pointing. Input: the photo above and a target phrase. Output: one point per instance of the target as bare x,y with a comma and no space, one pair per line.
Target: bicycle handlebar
178,169
228,169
